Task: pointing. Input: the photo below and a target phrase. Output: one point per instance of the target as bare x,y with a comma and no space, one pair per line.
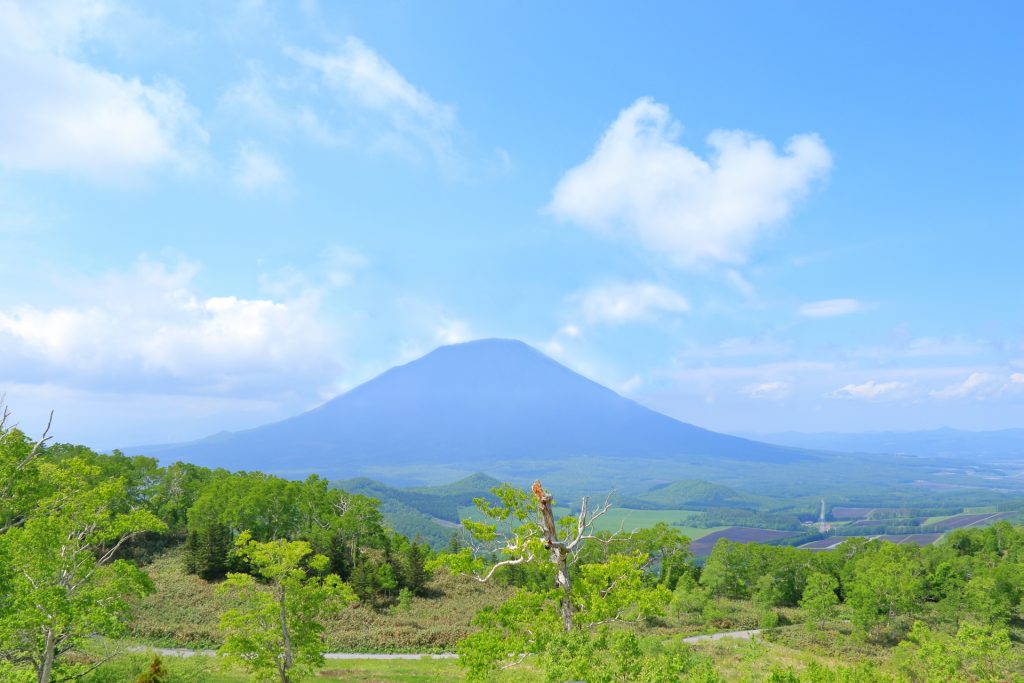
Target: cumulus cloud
620,303
151,328
831,308
365,81
770,390
870,390
641,183
62,114
977,384
256,171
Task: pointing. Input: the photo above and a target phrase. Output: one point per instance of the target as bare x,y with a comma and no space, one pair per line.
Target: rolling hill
473,403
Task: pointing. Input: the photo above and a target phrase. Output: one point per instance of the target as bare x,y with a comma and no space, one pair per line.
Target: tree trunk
49,650
564,581
286,638
559,554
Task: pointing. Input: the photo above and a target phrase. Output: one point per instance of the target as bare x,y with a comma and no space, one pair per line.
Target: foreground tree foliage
585,590
276,634
60,577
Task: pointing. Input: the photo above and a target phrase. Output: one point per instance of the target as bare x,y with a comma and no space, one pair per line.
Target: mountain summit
477,402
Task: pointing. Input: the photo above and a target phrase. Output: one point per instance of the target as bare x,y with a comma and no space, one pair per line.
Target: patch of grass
434,623
185,612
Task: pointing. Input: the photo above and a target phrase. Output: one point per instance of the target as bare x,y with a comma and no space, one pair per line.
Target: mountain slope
478,402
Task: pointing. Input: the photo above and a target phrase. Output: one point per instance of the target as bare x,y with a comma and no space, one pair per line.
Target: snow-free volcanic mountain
473,403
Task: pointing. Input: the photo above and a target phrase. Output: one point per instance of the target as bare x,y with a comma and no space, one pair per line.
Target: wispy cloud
641,183
923,348
364,80
871,390
770,390
977,384
257,171
831,308
61,114
619,303
261,98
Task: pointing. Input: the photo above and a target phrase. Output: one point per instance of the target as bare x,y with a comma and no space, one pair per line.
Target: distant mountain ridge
945,442
477,402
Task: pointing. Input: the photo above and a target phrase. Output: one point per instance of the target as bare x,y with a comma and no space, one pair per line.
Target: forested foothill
102,555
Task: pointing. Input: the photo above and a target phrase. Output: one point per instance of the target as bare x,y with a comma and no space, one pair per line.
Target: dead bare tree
537,533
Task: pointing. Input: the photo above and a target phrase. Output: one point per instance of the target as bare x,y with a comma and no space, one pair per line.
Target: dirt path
186,652
746,635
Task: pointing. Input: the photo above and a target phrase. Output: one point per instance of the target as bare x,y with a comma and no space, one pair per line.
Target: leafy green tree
176,490
20,485
975,653
64,581
276,633
883,584
820,599
414,567
363,579
767,595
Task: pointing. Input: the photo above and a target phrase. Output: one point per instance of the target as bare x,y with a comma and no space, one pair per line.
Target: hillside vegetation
101,551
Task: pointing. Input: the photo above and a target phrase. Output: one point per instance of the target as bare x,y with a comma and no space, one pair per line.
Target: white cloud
452,331
641,183
629,302
256,99
62,114
870,390
150,327
831,308
770,390
976,384
256,171
363,79
1017,378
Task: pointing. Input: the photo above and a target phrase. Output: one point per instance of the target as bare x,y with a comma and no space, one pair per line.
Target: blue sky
752,216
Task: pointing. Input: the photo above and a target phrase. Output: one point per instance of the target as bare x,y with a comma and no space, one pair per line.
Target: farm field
845,513
963,521
888,522
739,534
918,539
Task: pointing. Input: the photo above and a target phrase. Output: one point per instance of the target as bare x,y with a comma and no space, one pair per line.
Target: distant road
186,652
